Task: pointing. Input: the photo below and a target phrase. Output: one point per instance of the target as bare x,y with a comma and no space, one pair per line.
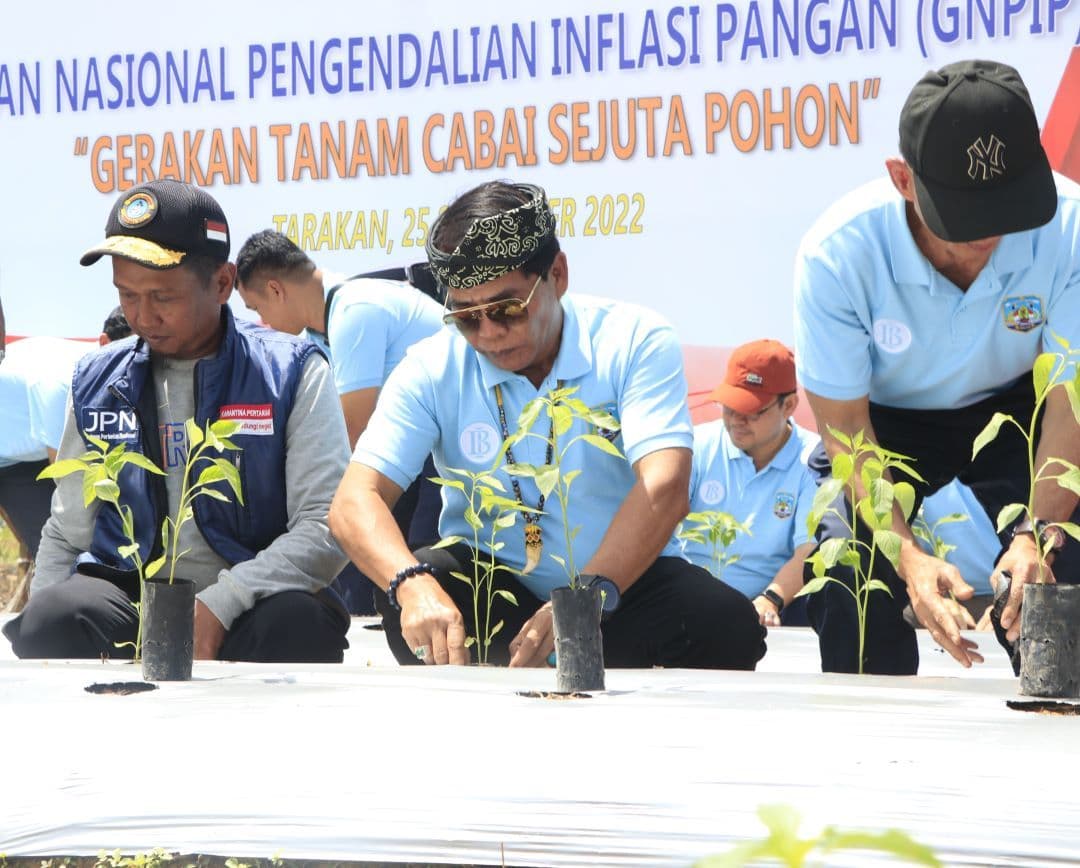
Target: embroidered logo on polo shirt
892,335
711,493
110,424
986,160
608,434
784,505
480,442
1022,312
257,419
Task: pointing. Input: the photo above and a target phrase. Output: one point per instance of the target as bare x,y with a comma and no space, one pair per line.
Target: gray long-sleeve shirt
304,558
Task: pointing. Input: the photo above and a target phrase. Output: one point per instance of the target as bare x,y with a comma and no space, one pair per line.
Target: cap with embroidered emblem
160,223
757,373
969,133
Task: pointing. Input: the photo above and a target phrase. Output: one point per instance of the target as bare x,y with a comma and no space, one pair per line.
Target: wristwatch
1051,537
774,598
609,591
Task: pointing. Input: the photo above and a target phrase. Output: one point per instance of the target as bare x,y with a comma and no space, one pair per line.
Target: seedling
718,531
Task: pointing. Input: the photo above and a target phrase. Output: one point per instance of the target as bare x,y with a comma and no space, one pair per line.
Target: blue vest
255,373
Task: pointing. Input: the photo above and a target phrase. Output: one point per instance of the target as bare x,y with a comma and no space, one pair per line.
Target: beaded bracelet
402,575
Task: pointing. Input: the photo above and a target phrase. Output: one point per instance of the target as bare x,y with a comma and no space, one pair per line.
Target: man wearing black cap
921,304
517,334
261,567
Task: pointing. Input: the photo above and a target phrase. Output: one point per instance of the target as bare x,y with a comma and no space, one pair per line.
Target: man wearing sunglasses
751,464
517,335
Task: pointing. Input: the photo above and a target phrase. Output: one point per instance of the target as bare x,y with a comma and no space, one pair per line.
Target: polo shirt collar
574,360
782,460
1014,252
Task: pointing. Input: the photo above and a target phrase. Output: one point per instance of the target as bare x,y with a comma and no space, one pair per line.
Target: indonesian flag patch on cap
216,231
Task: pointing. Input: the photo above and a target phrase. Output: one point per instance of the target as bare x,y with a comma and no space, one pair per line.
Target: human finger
946,632
440,652
455,642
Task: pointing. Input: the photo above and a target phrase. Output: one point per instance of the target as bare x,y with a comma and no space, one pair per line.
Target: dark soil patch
1044,706
121,688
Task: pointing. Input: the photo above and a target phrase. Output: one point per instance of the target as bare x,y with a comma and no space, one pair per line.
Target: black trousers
85,617
940,443
26,501
675,615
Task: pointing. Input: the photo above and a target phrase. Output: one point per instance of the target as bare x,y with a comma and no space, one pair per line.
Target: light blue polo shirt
977,545
35,380
873,317
371,324
775,500
441,400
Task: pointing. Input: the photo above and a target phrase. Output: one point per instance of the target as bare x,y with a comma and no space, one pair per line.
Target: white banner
685,148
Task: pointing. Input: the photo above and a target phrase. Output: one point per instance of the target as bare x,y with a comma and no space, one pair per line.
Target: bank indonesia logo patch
480,442
1023,312
712,492
784,506
110,425
892,335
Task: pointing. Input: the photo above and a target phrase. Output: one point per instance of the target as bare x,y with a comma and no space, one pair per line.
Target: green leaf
507,520
951,518
494,631
473,519
888,543
904,494
194,434
989,432
60,469
470,641
547,478
214,493
569,477
1008,514
1070,480
878,585
813,586
210,475
448,483
841,466
491,481
893,841
107,490
154,567
224,428
528,415
1070,528
102,445
839,436
827,492
448,541
506,595
143,462
560,560
525,471
468,580
602,443
563,419
1042,372
831,550
1074,398
128,550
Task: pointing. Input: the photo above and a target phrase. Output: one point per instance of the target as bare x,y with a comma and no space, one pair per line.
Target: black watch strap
774,598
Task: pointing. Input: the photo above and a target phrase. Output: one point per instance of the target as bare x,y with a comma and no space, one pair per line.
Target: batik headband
495,245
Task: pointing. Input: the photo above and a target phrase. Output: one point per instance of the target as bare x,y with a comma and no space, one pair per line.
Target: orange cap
756,373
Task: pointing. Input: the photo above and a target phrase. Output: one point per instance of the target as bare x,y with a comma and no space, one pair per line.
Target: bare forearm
361,522
789,578
1060,439
642,527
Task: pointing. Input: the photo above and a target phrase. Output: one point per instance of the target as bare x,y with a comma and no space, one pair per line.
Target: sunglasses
502,312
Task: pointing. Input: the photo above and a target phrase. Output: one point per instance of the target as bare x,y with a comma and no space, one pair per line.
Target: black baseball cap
158,224
970,135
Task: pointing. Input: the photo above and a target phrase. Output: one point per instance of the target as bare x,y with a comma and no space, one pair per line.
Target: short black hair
116,325
273,254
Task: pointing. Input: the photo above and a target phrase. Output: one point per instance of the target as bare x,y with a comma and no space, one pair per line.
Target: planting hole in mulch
1044,706
552,694
121,688
377,626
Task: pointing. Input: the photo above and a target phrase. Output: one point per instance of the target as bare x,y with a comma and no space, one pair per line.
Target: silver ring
421,652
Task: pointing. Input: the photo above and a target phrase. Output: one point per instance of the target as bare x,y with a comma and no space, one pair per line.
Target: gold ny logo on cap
986,159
